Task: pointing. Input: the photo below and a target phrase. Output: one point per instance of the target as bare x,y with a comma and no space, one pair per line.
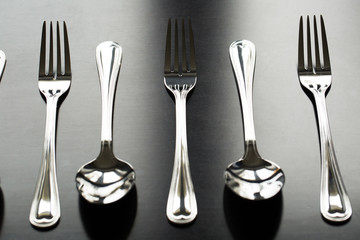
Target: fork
45,207
180,79
316,77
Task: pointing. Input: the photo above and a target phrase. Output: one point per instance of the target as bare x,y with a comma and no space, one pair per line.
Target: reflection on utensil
53,83
106,179
180,80
316,77
251,177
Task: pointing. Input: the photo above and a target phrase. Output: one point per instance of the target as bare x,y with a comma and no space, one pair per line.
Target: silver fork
180,80
316,77
45,207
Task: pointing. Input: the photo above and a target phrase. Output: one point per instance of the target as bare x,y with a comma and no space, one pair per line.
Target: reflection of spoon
251,177
106,179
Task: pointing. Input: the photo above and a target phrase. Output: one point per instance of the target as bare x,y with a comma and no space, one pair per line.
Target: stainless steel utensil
180,79
53,83
316,77
106,179
251,177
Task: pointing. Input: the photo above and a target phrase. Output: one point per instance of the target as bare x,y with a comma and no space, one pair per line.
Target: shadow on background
252,219
109,221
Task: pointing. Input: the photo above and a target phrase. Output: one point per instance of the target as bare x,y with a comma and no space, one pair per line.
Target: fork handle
181,204
45,207
334,201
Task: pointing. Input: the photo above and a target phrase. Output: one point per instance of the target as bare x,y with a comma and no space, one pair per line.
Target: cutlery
53,83
106,179
2,62
316,77
180,79
251,177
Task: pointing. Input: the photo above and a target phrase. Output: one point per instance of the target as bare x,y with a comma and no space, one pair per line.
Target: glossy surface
180,79
251,177
144,118
316,77
106,179
53,83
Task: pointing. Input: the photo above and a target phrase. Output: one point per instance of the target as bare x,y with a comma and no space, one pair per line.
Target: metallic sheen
316,77
251,177
181,204
45,207
106,179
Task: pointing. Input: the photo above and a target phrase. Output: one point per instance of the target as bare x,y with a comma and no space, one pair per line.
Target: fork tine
66,52
192,49
309,58
167,66
301,65
58,53
43,51
325,46
51,53
176,57
184,65
317,51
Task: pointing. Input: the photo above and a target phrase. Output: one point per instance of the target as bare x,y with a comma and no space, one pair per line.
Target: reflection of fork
45,208
316,77
2,62
181,205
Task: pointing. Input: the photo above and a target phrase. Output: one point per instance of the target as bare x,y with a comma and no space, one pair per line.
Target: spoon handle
334,200
242,56
108,59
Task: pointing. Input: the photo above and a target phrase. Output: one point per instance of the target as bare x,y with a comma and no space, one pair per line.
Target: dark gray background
144,118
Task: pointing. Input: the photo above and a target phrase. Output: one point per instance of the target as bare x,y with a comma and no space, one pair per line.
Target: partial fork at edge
2,62
180,80
316,77
45,208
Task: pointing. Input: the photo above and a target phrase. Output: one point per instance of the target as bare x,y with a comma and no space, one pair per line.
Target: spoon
251,177
106,179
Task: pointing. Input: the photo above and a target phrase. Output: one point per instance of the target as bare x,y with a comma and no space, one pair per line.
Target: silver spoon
251,177
106,179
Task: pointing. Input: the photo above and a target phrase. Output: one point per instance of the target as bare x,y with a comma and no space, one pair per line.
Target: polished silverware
316,77
2,62
53,83
180,79
251,177
106,179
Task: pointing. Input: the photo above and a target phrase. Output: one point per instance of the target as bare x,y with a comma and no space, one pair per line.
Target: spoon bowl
105,179
253,177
